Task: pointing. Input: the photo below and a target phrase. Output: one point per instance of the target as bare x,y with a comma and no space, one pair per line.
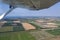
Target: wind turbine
30,4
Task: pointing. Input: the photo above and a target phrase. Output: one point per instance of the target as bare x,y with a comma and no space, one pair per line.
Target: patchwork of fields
29,30
11,26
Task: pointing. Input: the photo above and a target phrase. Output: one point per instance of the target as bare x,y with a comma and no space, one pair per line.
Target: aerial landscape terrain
29,20
30,28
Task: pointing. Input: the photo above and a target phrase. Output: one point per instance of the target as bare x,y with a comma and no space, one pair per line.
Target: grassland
16,36
18,27
54,32
58,23
37,26
10,27
5,29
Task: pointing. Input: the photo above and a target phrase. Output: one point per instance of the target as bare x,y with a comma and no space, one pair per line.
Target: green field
54,32
10,27
16,36
14,32
58,23
5,29
37,26
9,23
19,27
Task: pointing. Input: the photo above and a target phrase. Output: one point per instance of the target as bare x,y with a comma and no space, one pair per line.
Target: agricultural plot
10,26
54,32
7,24
35,25
41,35
6,29
58,23
26,20
28,26
18,27
16,36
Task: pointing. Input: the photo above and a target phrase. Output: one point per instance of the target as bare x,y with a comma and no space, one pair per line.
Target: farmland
28,26
5,29
15,31
29,29
37,26
16,36
54,32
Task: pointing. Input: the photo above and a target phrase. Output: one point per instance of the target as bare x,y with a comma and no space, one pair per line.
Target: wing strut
4,14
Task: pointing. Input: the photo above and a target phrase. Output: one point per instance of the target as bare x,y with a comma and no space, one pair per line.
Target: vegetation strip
37,26
23,35
54,32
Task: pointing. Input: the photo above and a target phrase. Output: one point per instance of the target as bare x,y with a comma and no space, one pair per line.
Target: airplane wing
1,16
33,4
4,14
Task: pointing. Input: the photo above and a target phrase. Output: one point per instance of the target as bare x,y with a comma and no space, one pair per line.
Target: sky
52,11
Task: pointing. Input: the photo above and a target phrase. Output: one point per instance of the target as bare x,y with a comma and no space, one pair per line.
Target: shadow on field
13,27
7,24
18,27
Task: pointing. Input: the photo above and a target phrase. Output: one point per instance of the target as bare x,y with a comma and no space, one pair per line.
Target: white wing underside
34,4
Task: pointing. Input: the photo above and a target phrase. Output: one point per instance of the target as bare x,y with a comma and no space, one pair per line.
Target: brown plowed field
28,26
40,21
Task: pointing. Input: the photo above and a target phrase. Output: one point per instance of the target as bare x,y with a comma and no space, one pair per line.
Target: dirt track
28,26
